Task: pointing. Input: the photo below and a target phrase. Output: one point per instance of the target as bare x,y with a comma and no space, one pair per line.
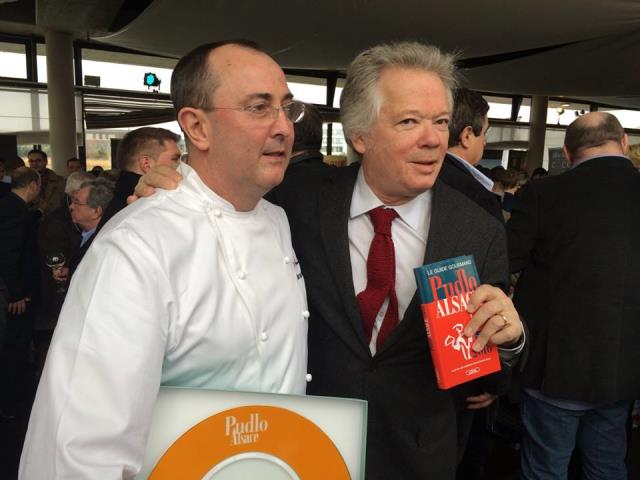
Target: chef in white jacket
197,287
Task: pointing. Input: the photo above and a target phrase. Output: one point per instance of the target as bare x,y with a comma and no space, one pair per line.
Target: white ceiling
580,49
574,48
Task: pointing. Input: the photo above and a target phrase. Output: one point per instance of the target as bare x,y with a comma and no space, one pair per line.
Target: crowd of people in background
47,223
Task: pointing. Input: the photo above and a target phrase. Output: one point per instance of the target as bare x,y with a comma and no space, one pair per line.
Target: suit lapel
444,229
334,203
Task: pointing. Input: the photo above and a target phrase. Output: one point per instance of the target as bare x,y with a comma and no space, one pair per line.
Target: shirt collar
86,234
485,181
195,188
586,159
412,213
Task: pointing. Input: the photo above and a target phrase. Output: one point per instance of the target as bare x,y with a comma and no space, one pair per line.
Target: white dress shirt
409,233
178,289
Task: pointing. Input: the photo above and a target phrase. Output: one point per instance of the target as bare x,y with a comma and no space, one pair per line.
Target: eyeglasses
75,202
293,111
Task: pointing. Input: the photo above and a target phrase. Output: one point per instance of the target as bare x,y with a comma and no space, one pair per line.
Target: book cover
445,289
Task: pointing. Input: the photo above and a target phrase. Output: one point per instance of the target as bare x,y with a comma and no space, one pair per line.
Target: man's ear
145,164
194,122
358,143
625,144
465,137
567,155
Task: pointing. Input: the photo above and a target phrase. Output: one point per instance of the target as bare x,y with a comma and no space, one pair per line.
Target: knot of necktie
381,218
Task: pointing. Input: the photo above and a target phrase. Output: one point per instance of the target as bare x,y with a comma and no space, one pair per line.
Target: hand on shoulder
159,176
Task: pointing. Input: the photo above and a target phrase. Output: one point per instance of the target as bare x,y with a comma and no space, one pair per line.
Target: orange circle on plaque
273,431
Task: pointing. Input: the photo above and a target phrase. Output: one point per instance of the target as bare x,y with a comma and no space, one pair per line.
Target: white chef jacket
178,289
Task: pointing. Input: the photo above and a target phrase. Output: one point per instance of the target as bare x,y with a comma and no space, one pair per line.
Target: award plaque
215,435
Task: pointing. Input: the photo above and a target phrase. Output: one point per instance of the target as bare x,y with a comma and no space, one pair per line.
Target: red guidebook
445,289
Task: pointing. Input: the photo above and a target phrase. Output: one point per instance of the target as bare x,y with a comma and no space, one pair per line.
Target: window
628,118
561,112
308,89
125,71
13,60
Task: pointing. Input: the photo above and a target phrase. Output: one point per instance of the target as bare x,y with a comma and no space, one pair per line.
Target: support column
537,131
62,108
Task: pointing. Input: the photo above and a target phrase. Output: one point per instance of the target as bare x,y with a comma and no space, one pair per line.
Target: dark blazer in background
411,430
18,252
57,233
576,239
124,187
458,177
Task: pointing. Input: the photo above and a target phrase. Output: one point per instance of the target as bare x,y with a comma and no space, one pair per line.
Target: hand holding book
494,317
464,321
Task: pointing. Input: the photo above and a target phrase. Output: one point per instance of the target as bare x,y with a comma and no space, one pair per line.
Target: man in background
87,207
19,273
574,239
57,234
74,165
308,141
52,189
467,138
138,151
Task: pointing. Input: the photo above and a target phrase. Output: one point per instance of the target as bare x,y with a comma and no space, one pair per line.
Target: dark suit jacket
411,423
57,233
125,186
456,176
576,239
18,254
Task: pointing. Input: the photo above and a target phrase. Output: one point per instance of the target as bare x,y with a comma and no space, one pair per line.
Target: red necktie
381,277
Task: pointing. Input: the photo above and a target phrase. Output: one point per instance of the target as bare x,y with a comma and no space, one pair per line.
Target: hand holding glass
56,261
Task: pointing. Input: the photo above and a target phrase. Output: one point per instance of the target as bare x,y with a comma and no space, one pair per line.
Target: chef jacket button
217,212
309,377
264,336
242,275
287,260
305,314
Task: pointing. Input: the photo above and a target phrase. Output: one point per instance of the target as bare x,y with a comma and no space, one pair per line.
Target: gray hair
23,176
100,194
360,101
75,180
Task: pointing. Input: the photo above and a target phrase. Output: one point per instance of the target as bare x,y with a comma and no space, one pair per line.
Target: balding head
596,133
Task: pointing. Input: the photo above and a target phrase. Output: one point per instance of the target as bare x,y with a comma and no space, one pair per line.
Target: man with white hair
56,234
395,107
